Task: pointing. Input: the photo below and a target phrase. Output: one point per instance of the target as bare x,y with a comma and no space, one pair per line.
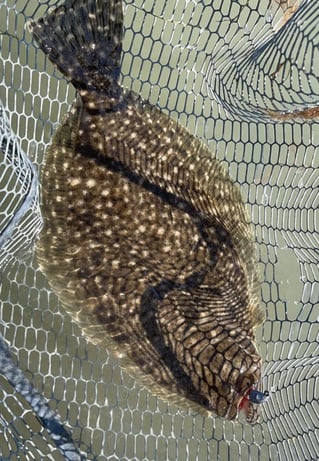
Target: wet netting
243,77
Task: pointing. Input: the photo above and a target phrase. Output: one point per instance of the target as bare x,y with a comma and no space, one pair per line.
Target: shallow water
277,168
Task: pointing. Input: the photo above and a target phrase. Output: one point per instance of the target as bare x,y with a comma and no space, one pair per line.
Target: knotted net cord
228,71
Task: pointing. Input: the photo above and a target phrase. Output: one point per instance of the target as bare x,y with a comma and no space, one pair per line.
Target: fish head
232,371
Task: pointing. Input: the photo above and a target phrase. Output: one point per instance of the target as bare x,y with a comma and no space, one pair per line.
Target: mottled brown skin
147,241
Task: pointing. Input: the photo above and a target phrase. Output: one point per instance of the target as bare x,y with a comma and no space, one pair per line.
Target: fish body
146,240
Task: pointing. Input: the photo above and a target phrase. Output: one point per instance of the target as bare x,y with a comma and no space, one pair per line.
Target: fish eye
245,383
225,389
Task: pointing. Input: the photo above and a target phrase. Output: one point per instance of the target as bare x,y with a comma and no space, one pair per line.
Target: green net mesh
242,76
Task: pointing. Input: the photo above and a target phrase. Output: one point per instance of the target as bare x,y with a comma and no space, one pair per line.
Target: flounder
147,240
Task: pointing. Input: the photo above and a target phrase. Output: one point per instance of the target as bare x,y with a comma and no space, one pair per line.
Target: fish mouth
249,410
249,404
235,407
241,409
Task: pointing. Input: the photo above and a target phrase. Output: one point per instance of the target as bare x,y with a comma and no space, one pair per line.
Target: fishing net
242,76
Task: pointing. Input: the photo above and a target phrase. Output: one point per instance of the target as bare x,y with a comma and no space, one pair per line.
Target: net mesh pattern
230,72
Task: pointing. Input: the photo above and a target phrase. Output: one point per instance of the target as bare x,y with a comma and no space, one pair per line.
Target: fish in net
167,52
146,239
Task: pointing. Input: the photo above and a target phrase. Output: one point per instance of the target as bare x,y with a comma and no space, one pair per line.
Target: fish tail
84,39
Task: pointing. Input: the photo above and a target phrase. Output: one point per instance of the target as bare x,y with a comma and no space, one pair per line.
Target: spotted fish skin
146,240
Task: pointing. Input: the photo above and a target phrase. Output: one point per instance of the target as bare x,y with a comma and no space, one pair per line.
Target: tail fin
84,39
